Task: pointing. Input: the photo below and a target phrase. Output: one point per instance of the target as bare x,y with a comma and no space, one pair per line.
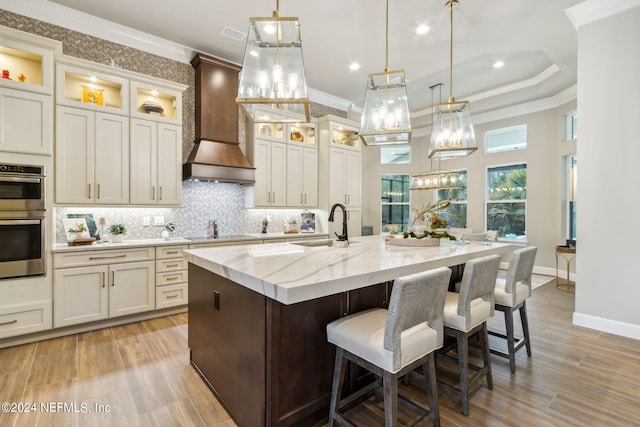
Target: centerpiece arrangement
428,226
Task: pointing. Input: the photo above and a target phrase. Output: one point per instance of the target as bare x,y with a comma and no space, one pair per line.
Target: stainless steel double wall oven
22,220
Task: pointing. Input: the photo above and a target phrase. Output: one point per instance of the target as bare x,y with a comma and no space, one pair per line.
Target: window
395,155
505,139
457,213
506,200
394,199
571,126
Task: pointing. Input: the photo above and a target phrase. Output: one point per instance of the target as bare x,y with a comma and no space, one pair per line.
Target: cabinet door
25,122
295,175
310,177
337,167
111,159
352,178
169,164
131,288
144,135
262,163
278,174
80,295
75,131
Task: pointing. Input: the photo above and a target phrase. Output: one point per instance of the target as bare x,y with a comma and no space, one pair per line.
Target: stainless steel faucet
344,236
212,229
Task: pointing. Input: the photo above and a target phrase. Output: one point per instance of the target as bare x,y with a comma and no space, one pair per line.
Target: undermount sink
323,242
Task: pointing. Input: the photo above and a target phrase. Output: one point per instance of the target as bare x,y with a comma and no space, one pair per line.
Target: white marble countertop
63,247
291,273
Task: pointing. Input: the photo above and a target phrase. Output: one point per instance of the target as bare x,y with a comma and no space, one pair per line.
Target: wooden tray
426,241
82,241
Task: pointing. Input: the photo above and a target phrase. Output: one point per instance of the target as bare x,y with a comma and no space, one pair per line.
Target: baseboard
607,325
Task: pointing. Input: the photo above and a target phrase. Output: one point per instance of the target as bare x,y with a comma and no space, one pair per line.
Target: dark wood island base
268,363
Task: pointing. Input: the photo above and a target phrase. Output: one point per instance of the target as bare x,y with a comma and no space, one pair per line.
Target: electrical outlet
146,221
158,220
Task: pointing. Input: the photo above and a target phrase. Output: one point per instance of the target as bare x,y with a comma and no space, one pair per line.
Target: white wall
608,293
544,157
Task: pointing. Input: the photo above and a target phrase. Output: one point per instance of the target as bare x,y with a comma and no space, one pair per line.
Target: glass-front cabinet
152,101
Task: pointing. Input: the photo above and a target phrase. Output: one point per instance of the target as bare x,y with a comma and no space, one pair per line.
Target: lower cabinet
171,277
103,288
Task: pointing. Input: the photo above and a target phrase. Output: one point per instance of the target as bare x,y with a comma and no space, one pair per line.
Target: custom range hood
216,154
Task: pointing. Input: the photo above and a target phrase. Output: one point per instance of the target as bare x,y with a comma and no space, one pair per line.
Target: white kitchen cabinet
171,277
270,190
156,155
104,284
92,157
26,122
345,175
302,176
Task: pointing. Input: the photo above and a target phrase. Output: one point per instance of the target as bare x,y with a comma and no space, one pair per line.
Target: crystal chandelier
272,81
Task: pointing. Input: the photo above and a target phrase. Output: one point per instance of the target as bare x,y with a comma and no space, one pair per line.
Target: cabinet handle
348,199
345,199
274,197
172,265
10,322
301,198
268,196
97,191
153,192
216,300
171,278
113,278
160,193
91,258
89,191
171,252
103,279
172,296
305,198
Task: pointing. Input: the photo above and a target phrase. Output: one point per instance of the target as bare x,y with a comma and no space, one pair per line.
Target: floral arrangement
432,213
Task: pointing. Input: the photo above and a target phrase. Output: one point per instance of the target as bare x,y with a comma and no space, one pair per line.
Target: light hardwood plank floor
576,377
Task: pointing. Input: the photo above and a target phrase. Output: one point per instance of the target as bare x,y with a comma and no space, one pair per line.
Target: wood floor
576,377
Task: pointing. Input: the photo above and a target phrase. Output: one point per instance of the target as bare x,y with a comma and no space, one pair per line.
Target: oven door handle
20,221
20,179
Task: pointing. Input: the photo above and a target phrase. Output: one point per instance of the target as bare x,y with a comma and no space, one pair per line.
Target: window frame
505,129
407,203
488,201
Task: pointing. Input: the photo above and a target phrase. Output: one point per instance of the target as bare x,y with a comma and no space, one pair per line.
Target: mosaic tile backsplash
202,201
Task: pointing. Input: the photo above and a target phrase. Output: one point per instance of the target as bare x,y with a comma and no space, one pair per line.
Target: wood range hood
216,154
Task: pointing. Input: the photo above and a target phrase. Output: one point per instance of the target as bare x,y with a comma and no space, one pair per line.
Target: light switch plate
146,221
158,220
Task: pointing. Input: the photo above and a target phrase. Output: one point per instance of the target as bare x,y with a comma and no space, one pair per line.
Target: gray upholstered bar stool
465,315
510,294
390,343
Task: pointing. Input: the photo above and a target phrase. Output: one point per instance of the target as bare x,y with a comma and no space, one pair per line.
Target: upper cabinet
91,88
144,149
26,88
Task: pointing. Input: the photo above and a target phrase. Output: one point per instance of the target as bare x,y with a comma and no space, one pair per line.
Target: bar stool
510,295
391,343
465,315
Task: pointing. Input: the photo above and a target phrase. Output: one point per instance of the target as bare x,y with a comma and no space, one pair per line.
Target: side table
568,253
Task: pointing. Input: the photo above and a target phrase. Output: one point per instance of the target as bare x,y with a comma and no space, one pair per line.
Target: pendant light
272,81
437,179
385,118
452,134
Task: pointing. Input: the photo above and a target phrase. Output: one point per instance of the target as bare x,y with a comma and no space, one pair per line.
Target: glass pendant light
437,179
272,81
385,117
452,134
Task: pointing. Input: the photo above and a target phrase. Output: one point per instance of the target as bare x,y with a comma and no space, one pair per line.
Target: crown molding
591,11
329,100
537,79
544,104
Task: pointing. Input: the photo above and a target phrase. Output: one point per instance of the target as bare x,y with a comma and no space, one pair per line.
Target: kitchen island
257,317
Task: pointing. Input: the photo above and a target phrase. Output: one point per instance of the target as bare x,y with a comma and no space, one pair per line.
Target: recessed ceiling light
422,29
354,66
498,64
